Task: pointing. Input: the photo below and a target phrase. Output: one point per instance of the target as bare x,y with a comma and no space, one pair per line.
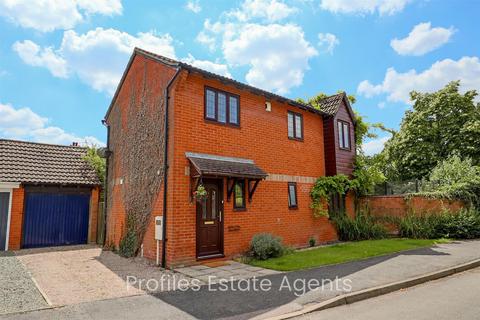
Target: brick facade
16,219
262,137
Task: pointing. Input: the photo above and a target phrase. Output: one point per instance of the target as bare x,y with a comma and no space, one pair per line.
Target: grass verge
344,252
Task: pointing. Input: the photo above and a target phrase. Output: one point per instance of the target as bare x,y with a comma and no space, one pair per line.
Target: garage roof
29,162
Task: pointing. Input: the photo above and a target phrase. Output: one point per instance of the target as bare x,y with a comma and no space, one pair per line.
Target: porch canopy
206,165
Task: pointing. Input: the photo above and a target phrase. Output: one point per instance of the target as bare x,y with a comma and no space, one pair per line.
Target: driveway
72,275
18,292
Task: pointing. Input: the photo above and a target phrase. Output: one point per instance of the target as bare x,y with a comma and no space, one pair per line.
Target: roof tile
29,162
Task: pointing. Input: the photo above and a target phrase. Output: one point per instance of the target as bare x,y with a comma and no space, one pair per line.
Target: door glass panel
204,209
214,204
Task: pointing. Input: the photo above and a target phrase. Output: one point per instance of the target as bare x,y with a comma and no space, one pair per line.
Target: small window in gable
292,195
343,135
295,125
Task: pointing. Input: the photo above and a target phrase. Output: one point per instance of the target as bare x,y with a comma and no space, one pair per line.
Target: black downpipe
165,171
105,184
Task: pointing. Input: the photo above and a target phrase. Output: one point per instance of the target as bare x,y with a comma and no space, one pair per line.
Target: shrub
362,227
462,225
265,245
128,244
312,242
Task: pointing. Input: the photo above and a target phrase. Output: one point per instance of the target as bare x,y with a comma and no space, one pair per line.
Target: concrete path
18,292
289,292
224,271
455,297
136,308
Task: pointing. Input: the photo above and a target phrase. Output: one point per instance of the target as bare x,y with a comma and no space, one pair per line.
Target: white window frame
8,188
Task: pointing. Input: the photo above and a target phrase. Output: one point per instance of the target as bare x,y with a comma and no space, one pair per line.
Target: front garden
340,253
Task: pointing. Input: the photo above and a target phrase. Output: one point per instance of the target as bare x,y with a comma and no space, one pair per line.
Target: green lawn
341,253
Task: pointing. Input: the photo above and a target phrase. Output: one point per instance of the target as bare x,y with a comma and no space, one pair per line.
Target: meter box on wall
159,228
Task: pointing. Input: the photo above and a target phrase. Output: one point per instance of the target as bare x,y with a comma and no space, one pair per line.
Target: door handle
220,215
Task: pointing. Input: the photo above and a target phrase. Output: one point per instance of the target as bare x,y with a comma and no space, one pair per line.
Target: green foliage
128,244
440,125
454,179
362,227
324,188
98,163
312,242
366,175
462,225
265,245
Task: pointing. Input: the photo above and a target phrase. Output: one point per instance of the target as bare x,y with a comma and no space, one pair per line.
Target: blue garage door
55,219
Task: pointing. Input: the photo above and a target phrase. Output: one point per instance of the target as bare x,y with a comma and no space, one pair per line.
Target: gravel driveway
18,292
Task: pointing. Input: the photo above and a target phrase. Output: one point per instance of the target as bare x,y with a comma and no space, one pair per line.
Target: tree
97,162
440,124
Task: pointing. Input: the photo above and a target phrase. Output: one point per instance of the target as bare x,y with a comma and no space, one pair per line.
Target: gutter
165,168
105,184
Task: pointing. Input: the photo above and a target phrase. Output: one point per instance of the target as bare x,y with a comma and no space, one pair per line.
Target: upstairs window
344,135
239,194
222,107
292,195
295,125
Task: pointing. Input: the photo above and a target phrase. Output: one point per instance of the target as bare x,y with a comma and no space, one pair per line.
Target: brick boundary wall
398,206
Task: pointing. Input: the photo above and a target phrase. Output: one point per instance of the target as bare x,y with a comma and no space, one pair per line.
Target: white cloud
194,6
422,39
374,146
381,105
33,55
251,36
327,42
276,54
384,7
24,124
269,10
97,57
214,67
48,15
397,85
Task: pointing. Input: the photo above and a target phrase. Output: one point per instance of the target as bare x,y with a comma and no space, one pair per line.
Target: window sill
293,208
211,121
295,139
240,209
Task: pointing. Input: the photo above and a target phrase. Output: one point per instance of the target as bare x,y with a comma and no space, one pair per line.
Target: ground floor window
239,194
292,195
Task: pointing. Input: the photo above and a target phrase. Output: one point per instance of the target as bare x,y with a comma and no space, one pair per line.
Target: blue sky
60,61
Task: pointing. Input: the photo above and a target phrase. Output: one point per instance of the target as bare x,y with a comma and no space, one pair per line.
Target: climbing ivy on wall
137,144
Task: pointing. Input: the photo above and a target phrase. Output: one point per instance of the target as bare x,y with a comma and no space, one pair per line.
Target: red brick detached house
48,196
256,153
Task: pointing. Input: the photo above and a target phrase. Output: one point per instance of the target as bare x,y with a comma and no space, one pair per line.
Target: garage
55,217
49,196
